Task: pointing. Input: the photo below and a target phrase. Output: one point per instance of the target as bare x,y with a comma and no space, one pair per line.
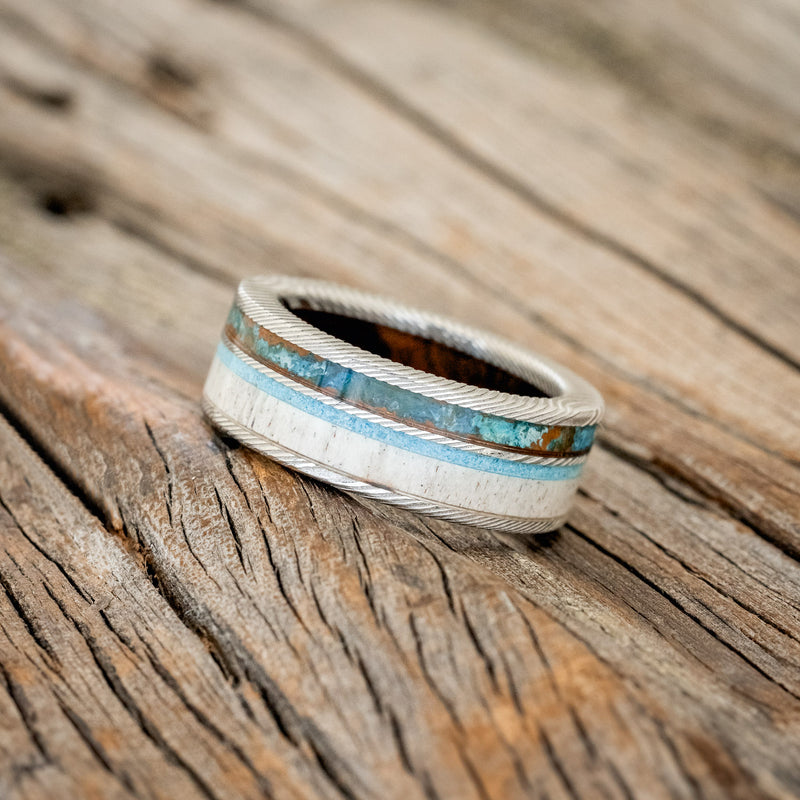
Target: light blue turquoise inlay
407,405
404,441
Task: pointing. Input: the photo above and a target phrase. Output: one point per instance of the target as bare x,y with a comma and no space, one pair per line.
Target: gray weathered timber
181,618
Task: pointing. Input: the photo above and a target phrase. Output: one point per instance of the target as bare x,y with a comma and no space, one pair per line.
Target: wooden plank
261,212
106,693
720,69
321,642
459,215
573,594
658,220
636,185
652,643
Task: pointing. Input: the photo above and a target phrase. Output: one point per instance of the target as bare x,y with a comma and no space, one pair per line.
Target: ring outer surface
384,430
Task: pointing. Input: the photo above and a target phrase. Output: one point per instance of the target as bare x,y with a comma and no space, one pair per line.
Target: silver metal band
367,424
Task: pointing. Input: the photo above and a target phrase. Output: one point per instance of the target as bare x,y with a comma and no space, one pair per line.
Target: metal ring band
368,424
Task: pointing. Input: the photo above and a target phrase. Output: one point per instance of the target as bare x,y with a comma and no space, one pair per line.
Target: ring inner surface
419,352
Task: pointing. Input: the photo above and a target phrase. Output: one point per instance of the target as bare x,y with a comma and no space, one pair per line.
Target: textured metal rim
387,431
314,469
573,402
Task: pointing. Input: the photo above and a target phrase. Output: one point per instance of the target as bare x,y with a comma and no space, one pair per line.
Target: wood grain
183,618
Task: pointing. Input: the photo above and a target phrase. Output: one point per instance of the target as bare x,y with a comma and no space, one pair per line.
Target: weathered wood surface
614,184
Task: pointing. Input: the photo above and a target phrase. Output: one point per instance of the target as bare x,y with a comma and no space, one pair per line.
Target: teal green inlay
355,387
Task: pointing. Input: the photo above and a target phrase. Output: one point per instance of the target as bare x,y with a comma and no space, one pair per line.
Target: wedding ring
401,405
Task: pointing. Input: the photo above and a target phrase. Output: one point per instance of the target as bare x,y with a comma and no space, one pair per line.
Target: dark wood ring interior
418,352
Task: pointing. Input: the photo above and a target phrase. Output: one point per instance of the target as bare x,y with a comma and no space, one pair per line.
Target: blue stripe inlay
404,441
357,388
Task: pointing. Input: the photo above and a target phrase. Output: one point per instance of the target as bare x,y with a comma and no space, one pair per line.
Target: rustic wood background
615,183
